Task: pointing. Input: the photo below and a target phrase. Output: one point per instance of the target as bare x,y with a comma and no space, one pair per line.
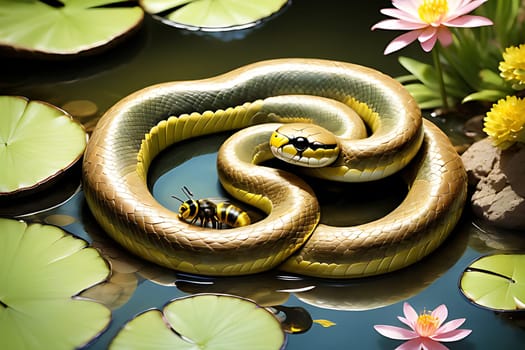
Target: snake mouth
291,155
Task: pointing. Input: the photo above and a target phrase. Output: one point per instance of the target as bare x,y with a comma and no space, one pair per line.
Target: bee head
188,209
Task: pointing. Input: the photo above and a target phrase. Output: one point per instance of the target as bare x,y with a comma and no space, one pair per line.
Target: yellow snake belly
115,170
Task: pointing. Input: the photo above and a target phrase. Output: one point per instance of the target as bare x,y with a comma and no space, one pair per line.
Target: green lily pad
214,14
496,282
203,321
38,141
68,28
41,268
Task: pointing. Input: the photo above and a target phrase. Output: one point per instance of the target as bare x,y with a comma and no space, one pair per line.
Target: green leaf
37,142
462,60
496,282
425,73
431,104
78,26
156,6
485,95
214,14
493,80
422,93
508,25
491,77
403,79
203,321
425,97
41,268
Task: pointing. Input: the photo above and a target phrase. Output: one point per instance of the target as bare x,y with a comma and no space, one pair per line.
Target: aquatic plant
212,15
38,143
469,65
66,28
203,321
427,329
428,21
495,282
42,271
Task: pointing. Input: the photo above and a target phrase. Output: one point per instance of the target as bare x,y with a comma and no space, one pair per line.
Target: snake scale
290,237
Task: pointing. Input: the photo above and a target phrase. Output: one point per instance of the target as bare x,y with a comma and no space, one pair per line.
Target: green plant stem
439,71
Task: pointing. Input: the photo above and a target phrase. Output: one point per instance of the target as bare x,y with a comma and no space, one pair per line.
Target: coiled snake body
116,162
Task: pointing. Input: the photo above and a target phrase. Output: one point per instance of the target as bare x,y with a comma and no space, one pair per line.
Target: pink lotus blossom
426,329
428,21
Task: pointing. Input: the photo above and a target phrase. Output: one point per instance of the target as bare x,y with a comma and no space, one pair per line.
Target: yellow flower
513,66
504,123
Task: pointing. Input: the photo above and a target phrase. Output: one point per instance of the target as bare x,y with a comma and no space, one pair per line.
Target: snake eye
300,143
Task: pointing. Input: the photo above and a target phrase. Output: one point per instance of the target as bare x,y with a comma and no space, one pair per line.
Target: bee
209,213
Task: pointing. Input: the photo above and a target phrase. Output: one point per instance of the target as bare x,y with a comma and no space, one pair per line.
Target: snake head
306,145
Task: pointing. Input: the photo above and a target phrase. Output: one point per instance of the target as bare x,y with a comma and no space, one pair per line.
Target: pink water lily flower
426,329
428,21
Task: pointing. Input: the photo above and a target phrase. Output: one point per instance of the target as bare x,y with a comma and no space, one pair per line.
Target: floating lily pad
41,268
496,282
37,142
213,14
204,321
65,27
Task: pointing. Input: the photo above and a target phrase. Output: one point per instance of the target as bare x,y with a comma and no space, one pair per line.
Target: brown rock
499,180
479,160
513,165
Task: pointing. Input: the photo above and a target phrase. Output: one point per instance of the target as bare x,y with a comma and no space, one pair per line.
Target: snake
290,237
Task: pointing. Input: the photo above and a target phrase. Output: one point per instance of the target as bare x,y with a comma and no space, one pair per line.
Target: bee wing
217,200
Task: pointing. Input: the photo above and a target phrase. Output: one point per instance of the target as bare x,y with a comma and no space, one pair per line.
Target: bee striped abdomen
231,215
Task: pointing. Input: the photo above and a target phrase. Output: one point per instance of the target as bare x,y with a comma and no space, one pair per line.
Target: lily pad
213,14
41,268
203,321
496,282
38,141
65,27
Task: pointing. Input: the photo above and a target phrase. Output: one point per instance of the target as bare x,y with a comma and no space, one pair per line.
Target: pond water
329,29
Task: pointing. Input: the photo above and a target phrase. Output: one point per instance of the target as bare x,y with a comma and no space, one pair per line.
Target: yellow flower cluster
512,67
504,123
